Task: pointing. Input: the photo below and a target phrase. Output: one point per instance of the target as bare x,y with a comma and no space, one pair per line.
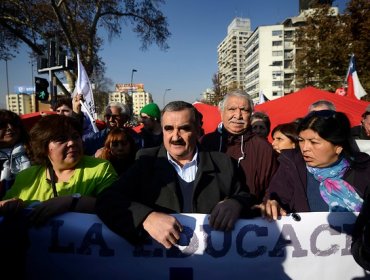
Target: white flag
83,86
261,98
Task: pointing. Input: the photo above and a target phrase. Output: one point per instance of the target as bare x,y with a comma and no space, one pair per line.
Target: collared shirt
188,171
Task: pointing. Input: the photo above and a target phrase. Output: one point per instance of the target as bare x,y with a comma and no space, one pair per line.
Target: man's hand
11,206
225,214
271,210
163,228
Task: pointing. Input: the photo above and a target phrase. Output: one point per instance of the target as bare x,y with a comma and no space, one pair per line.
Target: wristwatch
75,198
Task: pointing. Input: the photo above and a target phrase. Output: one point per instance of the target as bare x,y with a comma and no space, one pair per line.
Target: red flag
354,87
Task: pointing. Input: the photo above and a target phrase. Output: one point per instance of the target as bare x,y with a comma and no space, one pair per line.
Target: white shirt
188,171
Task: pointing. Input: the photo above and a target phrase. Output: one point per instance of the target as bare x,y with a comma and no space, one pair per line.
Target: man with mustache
177,177
255,156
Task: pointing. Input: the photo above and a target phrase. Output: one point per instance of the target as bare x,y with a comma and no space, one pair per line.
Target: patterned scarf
337,193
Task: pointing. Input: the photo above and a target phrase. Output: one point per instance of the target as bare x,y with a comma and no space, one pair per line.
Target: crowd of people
170,166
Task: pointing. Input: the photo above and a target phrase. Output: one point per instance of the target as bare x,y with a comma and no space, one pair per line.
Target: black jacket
151,184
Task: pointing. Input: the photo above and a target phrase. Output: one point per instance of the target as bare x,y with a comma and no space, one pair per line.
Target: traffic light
41,89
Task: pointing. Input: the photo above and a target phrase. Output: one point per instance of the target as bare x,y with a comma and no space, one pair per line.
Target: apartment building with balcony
270,54
231,54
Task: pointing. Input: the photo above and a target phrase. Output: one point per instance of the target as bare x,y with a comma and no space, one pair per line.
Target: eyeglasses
113,117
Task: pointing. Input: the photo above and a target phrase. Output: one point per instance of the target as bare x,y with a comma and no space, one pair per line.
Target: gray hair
330,105
124,109
237,93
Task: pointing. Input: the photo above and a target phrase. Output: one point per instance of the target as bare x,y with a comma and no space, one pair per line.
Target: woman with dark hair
325,174
14,148
63,179
119,148
285,136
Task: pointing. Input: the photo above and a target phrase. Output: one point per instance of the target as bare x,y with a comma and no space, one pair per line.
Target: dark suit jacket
151,184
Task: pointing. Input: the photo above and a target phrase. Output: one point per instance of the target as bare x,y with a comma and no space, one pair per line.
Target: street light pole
7,77
164,96
132,78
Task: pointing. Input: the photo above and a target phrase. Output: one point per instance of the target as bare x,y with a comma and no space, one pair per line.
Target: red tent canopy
295,105
30,119
211,116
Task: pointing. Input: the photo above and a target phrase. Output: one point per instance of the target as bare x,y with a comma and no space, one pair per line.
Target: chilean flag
354,87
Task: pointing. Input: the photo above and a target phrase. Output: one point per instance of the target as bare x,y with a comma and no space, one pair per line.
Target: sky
197,27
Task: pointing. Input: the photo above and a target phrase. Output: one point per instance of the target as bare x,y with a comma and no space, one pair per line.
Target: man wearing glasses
116,115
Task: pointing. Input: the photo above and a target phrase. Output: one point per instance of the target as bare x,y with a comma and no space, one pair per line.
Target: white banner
80,246
363,145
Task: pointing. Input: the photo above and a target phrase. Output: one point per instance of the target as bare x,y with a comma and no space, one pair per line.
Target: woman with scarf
326,174
14,148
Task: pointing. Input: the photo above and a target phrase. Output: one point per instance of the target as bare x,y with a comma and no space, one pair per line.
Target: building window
277,83
277,32
277,53
277,43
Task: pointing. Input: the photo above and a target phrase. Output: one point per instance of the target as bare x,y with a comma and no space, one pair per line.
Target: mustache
238,121
178,142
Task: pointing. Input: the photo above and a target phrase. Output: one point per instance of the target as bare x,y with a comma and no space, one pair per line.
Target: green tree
78,25
326,41
321,58
357,21
218,89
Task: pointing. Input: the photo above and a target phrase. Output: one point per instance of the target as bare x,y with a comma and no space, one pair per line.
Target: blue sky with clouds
197,27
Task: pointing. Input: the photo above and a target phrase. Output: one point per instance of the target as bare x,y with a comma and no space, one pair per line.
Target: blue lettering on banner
94,236
191,242
278,250
210,249
82,244
259,231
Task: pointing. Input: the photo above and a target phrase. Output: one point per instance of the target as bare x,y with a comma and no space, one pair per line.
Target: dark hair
51,128
264,117
332,126
65,100
9,117
176,106
365,114
290,130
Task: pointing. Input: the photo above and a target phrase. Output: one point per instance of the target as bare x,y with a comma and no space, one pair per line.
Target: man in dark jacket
177,177
360,246
255,156
362,131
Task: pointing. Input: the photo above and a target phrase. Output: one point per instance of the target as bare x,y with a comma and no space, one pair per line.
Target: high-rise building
133,95
20,103
231,55
139,100
270,64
